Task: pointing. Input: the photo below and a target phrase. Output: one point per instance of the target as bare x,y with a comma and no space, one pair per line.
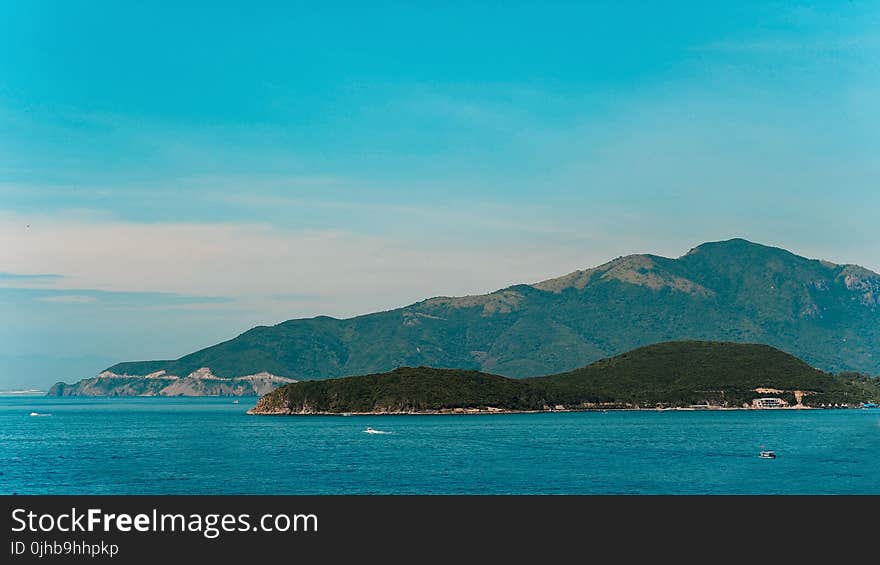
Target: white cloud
341,273
275,273
68,299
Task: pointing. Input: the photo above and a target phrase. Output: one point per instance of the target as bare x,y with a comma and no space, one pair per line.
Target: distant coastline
202,382
497,411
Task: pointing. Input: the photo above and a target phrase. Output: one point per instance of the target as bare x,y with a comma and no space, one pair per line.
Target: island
669,375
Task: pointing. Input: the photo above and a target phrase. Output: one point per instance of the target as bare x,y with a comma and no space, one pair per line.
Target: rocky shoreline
202,382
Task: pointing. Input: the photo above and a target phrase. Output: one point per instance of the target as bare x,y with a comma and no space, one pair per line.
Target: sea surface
210,446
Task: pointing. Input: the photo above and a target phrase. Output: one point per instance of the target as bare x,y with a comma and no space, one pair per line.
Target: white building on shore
769,403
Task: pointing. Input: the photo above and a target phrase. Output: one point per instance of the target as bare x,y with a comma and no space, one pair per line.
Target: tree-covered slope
687,372
407,389
673,374
826,314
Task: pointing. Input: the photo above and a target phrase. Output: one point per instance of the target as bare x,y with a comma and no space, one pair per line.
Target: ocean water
210,446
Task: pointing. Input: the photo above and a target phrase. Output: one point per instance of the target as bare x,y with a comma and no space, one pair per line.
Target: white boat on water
38,414
370,430
767,455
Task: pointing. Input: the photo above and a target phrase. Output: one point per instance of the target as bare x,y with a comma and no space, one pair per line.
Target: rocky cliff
201,382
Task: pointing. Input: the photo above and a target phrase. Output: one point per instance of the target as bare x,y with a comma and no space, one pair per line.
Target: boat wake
379,432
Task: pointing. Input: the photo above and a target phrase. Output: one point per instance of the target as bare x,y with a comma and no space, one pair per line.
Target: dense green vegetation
683,373
828,315
673,374
409,389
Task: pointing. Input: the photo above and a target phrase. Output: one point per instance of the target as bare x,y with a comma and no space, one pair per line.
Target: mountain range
735,291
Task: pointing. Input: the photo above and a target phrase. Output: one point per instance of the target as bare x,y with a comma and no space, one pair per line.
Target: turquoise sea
210,446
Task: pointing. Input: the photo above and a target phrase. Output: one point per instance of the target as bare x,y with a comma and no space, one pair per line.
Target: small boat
39,414
869,405
767,455
235,401
370,430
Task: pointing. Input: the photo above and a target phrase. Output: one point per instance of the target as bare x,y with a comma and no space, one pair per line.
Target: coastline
494,411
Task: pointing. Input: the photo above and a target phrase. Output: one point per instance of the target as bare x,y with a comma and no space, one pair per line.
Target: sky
172,175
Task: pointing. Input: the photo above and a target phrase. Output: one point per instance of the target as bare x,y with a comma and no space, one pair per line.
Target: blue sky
172,175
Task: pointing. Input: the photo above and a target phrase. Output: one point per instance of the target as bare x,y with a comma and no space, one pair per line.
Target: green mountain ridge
672,374
737,291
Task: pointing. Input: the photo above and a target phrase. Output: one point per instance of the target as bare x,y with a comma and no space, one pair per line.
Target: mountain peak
731,245
733,290
648,271
743,248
